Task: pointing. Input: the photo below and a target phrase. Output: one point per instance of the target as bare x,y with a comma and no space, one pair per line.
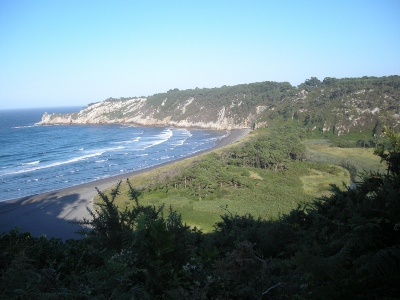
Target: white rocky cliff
139,111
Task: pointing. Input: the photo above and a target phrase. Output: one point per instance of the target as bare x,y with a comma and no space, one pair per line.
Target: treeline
273,150
249,94
358,141
393,81
270,92
346,246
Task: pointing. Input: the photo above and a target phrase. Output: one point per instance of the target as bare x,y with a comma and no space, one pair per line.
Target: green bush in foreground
346,246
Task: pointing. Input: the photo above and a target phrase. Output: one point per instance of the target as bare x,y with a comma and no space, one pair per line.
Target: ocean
37,159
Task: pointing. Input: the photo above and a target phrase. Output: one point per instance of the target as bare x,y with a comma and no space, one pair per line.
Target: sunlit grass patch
200,219
361,158
200,214
317,183
254,175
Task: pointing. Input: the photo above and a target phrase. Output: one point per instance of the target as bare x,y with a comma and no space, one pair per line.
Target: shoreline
49,213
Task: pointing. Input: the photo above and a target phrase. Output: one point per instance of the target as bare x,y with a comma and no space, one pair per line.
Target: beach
50,214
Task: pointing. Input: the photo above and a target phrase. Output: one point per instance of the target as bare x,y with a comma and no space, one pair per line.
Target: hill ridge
333,105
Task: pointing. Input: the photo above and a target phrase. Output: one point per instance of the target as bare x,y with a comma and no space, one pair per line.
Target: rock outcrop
139,111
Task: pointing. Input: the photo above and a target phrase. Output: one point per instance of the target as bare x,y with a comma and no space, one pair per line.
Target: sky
74,52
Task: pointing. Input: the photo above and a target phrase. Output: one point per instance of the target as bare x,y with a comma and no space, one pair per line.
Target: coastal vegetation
341,245
266,175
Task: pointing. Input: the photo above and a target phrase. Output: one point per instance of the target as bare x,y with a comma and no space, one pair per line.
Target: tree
110,225
392,155
329,81
312,82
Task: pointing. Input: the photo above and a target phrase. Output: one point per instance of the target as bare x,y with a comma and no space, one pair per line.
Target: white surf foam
160,138
26,126
103,150
180,142
31,163
128,141
101,160
185,132
55,164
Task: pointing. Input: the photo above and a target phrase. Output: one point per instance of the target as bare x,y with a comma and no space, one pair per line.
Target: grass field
268,193
272,193
317,183
361,158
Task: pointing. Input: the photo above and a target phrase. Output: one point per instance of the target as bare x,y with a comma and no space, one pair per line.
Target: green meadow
230,180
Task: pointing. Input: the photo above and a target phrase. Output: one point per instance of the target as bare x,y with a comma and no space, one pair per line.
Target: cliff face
139,111
336,106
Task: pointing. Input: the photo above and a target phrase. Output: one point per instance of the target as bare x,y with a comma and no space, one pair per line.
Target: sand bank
50,213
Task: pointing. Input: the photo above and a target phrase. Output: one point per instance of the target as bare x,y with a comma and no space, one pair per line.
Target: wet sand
50,213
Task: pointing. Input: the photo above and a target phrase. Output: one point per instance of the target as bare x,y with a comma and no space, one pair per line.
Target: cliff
334,105
139,111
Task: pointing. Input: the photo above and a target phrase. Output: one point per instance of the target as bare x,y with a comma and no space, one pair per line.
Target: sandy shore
50,213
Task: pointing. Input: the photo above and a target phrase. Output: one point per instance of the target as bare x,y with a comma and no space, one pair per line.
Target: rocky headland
335,106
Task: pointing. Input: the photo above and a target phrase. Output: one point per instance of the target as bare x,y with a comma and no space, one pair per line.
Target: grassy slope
269,193
361,158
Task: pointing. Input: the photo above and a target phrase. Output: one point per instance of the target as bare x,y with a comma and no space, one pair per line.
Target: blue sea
37,159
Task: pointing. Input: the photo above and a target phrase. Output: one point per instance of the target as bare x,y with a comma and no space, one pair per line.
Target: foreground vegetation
342,246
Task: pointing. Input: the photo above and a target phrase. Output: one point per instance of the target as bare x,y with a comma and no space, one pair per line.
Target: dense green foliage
335,107
250,95
345,246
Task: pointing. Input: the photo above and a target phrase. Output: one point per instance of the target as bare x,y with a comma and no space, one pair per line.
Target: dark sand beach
50,213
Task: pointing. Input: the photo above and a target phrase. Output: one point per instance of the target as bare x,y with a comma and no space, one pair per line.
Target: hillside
333,106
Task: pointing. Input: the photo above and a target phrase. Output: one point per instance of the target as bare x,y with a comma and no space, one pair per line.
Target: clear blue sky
61,53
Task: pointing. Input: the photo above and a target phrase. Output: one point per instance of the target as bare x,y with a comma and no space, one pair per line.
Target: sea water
36,159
